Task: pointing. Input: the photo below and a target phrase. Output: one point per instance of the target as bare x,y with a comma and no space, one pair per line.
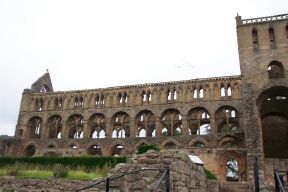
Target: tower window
271,35
255,36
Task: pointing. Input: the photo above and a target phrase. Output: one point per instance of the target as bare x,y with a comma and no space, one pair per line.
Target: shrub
60,171
144,148
210,175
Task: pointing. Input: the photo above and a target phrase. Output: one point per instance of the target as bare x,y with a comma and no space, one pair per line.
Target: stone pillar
86,130
213,124
109,128
158,126
132,128
185,125
64,132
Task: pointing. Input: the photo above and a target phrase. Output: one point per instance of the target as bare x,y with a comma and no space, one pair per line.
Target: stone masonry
223,120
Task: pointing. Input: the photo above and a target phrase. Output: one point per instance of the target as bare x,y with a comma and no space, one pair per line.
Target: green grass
79,175
210,175
36,174
2,172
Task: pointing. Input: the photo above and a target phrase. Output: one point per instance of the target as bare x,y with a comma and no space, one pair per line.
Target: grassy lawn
2,172
37,174
45,174
83,175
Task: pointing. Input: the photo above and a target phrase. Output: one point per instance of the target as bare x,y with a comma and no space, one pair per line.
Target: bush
144,148
60,171
210,175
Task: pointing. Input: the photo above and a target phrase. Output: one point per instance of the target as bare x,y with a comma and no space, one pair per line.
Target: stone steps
235,187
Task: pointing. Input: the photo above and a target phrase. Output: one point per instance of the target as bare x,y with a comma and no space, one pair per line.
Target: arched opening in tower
274,120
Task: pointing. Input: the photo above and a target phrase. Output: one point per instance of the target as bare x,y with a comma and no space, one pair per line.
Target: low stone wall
185,176
10,184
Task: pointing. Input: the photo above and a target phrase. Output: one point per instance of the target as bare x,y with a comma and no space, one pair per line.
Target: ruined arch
35,127
145,120
52,145
118,150
97,126
227,119
94,150
172,122
30,150
75,126
228,141
199,121
121,125
170,143
54,126
272,105
194,141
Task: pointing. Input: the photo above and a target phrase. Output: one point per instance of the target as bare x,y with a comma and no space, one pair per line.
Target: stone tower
263,53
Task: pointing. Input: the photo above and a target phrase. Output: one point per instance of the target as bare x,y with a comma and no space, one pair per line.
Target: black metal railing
279,180
107,180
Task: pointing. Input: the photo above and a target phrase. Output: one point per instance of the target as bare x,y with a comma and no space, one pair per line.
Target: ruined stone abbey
222,119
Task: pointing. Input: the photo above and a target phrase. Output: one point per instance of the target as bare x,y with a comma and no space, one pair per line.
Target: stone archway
273,107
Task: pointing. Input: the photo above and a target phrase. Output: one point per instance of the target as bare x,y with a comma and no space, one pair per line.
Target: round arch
272,106
30,150
227,119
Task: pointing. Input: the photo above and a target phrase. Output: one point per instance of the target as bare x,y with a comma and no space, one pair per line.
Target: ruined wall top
43,84
240,21
183,82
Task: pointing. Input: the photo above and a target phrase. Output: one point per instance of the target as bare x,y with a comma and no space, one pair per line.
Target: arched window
199,121
94,150
271,35
75,126
121,125
226,119
255,36
195,94
35,127
54,125
171,121
201,93
97,126
275,70
232,170
222,91
229,91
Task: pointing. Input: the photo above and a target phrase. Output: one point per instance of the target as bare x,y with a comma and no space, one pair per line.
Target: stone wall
185,176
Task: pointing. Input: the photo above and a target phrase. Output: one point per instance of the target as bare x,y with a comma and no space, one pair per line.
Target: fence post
107,185
167,180
256,175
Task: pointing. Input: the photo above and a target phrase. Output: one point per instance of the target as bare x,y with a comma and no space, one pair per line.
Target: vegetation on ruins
144,148
66,167
209,174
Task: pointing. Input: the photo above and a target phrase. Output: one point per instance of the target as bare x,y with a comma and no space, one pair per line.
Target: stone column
132,128
213,124
185,125
109,129
158,126
86,130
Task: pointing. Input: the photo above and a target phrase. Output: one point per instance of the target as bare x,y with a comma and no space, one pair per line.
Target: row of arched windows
123,99
171,124
271,35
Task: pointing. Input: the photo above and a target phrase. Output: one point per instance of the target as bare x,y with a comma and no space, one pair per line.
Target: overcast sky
103,43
